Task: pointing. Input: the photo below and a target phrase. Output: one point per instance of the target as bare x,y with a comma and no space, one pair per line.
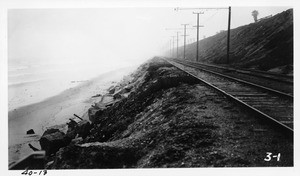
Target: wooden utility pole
184,39
177,36
170,47
173,49
229,18
197,49
177,44
228,34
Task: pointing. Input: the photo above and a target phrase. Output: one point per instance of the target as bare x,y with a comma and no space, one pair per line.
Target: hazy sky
124,35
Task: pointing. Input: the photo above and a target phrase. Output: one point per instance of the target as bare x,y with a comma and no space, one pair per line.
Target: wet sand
55,111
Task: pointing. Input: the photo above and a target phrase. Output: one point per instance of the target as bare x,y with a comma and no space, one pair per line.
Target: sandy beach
55,111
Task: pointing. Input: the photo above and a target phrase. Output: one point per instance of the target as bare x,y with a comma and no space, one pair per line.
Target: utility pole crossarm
198,12
212,8
201,8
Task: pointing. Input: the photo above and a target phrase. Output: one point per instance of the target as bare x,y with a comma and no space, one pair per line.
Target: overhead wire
210,17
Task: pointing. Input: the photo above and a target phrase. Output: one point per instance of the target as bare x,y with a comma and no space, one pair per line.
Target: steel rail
284,127
248,72
242,81
258,71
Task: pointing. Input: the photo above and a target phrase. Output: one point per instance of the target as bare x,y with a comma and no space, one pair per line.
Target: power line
209,18
201,8
178,35
229,19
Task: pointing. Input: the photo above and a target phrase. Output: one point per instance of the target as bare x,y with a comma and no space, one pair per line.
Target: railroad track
283,83
276,107
257,73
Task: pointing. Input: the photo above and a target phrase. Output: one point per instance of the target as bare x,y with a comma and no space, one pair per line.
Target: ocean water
31,83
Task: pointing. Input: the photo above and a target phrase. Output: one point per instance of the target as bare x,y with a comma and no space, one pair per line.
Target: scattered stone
109,105
71,125
83,128
117,96
77,140
93,113
30,131
107,98
128,88
97,95
111,90
49,131
71,134
49,164
52,140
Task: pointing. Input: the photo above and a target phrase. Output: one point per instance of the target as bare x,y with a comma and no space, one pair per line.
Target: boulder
71,134
109,105
49,165
83,128
30,131
93,113
52,140
71,125
121,93
117,96
111,90
97,95
49,131
128,88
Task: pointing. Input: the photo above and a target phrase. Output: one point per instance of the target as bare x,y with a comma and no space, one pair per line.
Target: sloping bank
162,117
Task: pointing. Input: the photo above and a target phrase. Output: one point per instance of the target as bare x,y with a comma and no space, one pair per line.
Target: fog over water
33,83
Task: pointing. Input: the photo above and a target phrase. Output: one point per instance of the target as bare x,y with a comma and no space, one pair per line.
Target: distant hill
265,45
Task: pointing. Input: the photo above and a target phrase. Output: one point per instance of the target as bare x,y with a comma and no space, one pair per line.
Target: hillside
265,45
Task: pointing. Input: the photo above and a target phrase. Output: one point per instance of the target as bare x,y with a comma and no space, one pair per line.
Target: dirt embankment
265,45
165,118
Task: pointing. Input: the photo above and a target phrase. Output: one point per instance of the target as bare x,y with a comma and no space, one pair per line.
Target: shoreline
55,111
